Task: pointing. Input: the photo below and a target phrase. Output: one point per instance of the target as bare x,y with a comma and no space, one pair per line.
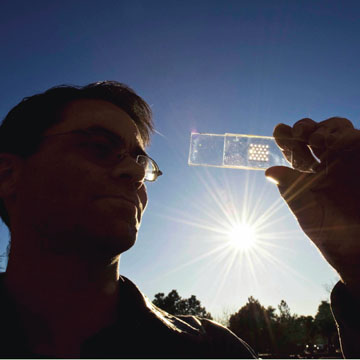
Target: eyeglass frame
157,171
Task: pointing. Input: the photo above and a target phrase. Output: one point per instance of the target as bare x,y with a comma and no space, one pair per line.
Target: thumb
282,176
293,186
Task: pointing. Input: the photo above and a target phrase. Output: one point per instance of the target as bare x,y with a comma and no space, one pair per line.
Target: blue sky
212,66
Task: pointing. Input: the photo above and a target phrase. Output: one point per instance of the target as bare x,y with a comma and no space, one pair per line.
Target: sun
242,236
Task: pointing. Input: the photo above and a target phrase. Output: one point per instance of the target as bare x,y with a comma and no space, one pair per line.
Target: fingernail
271,179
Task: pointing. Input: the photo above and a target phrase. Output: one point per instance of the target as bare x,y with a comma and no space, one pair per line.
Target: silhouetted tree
281,335
305,330
284,311
325,326
174,304
287,331
255,324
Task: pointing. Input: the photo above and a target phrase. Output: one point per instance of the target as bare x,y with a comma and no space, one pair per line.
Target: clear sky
212,66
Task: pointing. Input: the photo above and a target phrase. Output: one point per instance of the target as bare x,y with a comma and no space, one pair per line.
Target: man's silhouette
73,167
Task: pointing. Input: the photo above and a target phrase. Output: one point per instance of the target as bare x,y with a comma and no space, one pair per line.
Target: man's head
55,175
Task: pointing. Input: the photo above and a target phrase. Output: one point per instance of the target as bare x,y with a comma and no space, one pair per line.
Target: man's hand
324,196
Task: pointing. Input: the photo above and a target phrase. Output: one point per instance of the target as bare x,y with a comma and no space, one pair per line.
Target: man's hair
22,129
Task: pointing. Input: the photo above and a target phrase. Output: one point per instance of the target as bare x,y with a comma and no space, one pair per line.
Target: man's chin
120,240
109,246
109,239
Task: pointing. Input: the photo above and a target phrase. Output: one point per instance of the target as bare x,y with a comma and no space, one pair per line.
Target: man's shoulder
219,338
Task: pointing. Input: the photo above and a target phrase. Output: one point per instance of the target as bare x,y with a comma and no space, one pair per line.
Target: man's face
71,196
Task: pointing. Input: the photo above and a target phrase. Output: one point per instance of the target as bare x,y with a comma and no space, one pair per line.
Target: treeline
274,334
175,305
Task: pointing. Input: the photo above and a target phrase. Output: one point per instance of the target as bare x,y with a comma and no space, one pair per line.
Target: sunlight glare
242,236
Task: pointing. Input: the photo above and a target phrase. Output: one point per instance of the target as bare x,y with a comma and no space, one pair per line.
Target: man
73,168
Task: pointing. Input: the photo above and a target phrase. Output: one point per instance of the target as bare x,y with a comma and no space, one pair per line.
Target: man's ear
10,170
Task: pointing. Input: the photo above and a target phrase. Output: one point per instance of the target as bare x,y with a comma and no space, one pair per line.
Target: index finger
295,151
303,128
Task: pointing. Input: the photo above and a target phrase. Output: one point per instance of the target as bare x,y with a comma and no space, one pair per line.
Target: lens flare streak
240,232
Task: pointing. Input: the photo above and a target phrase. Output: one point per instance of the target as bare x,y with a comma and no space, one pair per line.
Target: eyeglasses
109,154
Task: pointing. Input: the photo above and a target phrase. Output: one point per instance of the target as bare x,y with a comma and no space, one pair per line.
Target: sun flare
242,236
240,229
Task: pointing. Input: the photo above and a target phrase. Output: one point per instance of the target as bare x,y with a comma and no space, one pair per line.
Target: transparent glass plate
237,151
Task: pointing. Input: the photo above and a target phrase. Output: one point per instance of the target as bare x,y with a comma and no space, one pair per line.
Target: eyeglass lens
149,166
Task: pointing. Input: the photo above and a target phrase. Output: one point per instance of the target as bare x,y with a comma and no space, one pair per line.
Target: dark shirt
141,331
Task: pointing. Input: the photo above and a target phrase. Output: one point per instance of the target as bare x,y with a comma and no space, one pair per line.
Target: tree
325,326
288,328
281,335
305,330
224,317
284,311
175,305
255,324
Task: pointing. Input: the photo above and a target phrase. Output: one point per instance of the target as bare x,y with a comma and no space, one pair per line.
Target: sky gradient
208,66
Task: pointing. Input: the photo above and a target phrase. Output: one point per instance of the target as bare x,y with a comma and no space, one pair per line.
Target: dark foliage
284,334
175,305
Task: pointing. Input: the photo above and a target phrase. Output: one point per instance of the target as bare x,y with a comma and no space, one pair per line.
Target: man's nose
130,169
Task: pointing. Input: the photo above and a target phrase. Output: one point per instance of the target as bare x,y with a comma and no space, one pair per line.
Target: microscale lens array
238,151
259,152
